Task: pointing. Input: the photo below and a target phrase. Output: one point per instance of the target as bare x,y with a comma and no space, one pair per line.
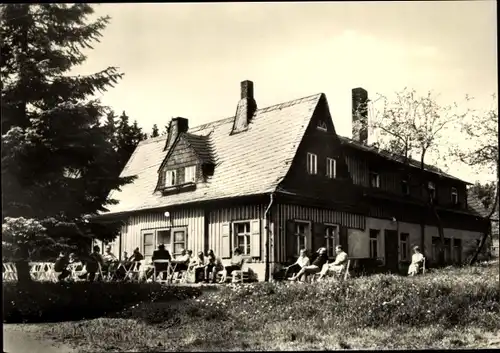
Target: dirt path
17,339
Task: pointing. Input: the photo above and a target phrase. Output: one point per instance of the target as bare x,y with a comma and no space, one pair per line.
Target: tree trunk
487,230
23,272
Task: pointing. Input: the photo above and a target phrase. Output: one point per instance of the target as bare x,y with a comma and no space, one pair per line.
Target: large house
273,180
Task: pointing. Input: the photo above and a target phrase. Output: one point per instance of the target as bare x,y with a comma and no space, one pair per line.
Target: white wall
359,246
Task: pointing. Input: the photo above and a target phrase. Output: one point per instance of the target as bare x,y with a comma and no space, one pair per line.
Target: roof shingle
249,163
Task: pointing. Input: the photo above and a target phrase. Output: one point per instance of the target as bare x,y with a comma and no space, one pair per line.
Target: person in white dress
417,260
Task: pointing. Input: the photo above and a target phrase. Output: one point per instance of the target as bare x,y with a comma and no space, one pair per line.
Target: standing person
61,265
236,264
302,261
417,260
92,263
315,267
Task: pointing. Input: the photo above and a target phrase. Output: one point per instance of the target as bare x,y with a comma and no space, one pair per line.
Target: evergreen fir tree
58,161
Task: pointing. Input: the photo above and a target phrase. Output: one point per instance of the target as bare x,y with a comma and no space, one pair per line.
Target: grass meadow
447,308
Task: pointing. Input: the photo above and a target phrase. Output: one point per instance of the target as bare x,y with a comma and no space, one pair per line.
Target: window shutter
225,251
318,236
309,241
291,240
255,235
343,238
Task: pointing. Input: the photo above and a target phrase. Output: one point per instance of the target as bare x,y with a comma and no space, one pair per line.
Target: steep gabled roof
248,163
201,145
395,157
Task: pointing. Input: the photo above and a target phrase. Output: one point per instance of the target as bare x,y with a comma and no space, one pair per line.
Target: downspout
268,232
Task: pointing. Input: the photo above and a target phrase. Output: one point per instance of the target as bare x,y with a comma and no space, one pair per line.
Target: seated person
302,261
236,264
92,263
136,256
315,267
182,261
75,263
212,266
61,265
160,254
338,265
110,260
198,265
417,261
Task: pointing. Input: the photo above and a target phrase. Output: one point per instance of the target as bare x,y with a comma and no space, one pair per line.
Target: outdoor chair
137,271
158,275
240,276
36,270
75,273
9,272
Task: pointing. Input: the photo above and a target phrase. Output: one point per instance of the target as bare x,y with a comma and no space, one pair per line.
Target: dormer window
190,174
374,179
170,177
454,196
432,189
322,126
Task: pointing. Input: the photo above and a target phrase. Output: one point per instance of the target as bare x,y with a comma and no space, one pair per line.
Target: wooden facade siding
192,219
221,216
358,170
285,212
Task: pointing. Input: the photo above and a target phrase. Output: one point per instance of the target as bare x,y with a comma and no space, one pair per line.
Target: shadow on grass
39,302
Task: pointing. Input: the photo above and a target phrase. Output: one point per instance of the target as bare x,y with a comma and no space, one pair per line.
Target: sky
188,59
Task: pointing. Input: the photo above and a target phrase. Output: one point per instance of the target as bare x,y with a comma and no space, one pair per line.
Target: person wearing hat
417,261
315,267
160,254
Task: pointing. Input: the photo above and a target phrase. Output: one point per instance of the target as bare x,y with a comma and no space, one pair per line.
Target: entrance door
391,250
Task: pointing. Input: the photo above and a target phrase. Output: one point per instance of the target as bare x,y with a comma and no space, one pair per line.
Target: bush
448,297
52,302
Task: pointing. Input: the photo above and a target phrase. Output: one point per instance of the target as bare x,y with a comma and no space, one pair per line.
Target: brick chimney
177,126
246,108
360,115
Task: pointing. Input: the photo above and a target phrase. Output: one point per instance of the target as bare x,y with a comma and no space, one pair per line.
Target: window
403,246
457,251
405,187
374,180
170,177
331,232
322,126
454,196
312,163
190,174
163,237
331,168
242,237
179,242
432,190
301,230
148,245
374,243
